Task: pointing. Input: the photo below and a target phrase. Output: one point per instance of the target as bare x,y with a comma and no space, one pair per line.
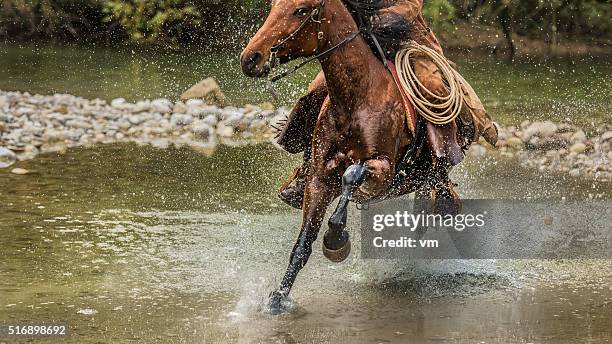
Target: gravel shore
35,124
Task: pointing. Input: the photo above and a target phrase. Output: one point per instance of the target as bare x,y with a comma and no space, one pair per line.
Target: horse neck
347,69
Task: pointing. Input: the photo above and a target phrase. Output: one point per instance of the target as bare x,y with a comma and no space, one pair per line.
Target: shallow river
128,244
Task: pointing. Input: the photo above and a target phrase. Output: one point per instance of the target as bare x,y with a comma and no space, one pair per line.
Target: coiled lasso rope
444,109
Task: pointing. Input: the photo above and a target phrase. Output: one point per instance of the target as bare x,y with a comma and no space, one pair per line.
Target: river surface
576,91
129,244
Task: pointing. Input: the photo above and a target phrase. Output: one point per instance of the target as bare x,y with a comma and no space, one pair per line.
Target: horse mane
389,30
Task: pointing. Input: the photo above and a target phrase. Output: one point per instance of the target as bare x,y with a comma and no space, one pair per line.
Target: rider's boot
292,190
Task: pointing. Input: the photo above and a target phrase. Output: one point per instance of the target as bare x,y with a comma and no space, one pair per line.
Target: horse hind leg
336,243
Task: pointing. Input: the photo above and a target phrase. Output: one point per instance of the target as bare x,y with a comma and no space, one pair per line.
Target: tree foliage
179,21
159,21
49,18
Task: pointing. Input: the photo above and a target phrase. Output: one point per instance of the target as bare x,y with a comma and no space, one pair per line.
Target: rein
315,17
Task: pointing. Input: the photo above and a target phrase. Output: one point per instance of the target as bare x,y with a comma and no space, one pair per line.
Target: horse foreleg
318,196
336,244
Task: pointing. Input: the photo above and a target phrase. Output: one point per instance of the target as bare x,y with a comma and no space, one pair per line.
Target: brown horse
361,135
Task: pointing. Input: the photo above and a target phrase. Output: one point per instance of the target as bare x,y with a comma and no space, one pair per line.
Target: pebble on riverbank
34,124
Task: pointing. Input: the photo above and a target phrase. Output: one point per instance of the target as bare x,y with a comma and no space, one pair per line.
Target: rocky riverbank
552,147
35,124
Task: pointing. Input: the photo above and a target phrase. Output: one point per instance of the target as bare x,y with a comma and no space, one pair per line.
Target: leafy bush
439,13
155,21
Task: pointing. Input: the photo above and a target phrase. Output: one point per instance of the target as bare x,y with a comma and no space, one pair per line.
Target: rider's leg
292,190
297,136
443,139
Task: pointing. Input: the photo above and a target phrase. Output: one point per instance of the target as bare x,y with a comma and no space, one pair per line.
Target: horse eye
301,12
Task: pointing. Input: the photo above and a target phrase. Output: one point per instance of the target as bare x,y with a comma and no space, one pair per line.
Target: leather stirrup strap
290,180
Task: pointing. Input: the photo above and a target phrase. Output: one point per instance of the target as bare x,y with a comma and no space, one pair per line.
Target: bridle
316,17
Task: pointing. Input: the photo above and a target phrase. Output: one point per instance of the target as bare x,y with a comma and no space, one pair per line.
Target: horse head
292,30
304,28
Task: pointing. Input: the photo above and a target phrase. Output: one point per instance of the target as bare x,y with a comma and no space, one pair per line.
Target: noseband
316,17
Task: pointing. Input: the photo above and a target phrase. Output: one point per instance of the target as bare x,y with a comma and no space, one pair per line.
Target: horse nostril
253,60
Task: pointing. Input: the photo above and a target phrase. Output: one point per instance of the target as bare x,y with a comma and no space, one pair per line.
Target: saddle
449,141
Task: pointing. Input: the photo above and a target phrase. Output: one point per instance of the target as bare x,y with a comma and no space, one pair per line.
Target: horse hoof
275,305
339,252
447,206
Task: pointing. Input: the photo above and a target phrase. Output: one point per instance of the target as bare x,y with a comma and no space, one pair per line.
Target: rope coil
444,109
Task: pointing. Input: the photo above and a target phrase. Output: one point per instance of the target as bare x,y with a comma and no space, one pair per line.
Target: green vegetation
180,22
161,21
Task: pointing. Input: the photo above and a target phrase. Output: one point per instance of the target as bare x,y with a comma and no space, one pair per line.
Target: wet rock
202,130
141,106
267,106
195,103
180,120
161,105
180,107
478,151
578,136
565,128
259,125
79,124
7,157
578,148
515,143
249,108
208,90
525,124
541,129
211,120
19,171
118,103
224,130
136,119
124,124
553,142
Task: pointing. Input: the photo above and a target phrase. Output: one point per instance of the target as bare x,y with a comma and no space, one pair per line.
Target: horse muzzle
254,64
